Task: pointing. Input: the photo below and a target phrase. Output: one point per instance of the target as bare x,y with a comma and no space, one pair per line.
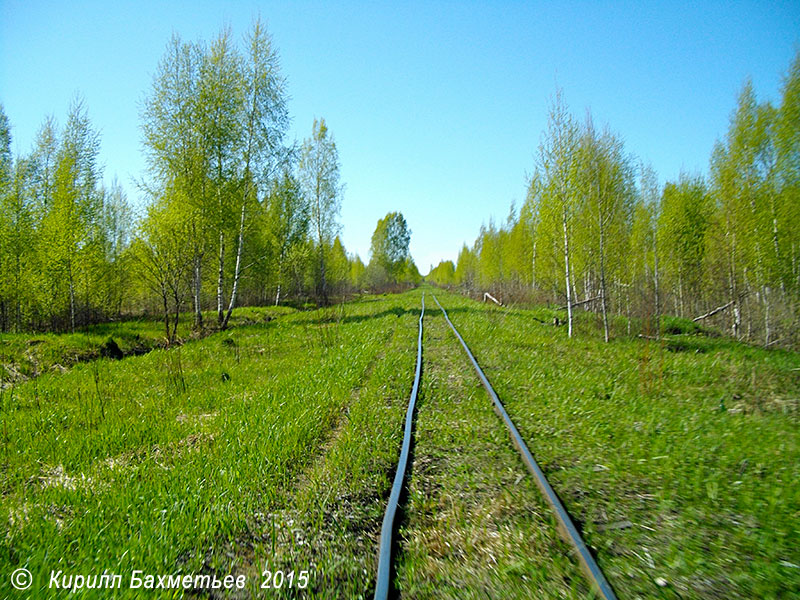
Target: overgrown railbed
274,444
476,525
679,459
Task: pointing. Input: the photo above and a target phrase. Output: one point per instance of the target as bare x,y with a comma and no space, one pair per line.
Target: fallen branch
492,298
713,312
580,303
719,308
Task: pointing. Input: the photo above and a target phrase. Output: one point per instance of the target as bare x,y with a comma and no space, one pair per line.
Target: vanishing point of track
565,525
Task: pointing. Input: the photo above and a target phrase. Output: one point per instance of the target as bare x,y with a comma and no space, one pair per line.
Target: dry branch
713,312
492,298
580,303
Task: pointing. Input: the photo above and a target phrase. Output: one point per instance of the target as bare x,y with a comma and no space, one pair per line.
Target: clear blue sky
437,107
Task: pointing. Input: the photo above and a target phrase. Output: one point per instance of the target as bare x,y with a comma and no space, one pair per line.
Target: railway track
566,526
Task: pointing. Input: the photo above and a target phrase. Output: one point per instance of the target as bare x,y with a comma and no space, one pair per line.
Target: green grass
148,462
27,355
329,520
476,525
680,460
274,444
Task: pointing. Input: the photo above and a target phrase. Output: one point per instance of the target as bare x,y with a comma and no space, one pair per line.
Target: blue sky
437,108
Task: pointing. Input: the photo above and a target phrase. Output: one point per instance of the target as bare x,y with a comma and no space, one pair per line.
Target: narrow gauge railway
566,526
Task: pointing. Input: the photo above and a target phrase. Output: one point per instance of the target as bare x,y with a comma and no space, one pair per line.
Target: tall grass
147,462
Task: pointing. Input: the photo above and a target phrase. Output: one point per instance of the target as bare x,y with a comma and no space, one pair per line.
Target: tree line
598,232
234,214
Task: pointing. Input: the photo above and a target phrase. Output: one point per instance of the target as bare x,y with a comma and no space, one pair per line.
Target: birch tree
558,166
174,149
117,226
69,228
286,224
529,219
213,128
218,107
13,227
742,176
786,132
644,237
389,245
686,212
160,251
265,119
606,183
319,180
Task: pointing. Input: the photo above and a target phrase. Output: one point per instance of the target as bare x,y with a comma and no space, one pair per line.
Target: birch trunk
197,275
280,279
176,316
737,317
221,273
322,275
603,280
221,278
749,311
164,297
655,285
237,268
196,291
71,300
628,309
764,292
18,304
246,192
775,244
567,275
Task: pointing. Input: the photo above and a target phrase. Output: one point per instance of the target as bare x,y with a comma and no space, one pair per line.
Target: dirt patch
57,477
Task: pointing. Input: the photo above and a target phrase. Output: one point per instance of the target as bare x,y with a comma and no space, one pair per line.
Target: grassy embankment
679,459
27,355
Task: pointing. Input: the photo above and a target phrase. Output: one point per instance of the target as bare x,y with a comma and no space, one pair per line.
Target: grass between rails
148,462
476,525
680,460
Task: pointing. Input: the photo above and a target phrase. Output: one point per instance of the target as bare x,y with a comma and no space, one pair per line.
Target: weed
291,459
175,378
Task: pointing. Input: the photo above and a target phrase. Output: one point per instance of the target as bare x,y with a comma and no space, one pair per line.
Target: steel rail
565,525
384,578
